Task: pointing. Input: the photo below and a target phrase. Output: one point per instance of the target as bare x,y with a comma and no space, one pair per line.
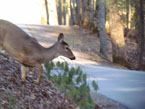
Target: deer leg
23,74
39,76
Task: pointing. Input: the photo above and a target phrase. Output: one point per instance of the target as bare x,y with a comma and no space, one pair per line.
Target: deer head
63,48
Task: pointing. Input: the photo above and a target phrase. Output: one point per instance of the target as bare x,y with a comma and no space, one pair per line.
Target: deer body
27,50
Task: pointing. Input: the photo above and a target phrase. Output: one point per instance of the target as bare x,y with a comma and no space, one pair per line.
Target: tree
71,13
46,7
74,11
127,13
116,29
83,11
91,16
141,33
64,11
59,10
78,11
101,27
68,12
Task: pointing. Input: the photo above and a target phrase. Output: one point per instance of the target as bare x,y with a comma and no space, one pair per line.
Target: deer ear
60,37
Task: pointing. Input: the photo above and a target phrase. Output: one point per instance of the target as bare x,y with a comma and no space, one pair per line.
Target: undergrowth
72,81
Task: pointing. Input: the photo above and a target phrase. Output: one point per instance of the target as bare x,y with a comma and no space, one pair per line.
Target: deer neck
50,53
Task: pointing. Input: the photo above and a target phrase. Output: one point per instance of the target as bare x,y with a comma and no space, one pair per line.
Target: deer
28,51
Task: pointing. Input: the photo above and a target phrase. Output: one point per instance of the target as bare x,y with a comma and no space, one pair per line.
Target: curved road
124,86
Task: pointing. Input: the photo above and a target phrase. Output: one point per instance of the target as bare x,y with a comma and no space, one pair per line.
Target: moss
121,61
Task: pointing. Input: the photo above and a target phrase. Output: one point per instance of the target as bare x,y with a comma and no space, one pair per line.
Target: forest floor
85,46
14,96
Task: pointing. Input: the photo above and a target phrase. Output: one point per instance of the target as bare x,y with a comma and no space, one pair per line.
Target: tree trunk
74,12
91,17
101,27
44,14
83,11
46,7
116,30
64,11
137,18
141,31
127,13
71,13
78,11
53,19
59,9
68,12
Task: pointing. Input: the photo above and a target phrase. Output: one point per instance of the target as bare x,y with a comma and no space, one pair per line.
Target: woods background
116,18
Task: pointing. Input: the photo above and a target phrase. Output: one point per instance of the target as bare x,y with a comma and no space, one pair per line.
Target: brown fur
27,50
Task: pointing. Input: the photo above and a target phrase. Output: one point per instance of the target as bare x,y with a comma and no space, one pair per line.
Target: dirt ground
14,96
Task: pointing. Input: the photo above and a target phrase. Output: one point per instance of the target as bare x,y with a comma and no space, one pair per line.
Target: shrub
72,81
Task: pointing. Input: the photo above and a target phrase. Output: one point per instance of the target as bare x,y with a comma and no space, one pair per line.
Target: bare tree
91,17
116,29
64,11
47,15
68,12
127,13
141,33
83,11
101,27
71,13
59,11
74,11
78,11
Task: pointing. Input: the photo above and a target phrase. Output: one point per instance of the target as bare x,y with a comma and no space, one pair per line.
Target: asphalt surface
124,86
127,87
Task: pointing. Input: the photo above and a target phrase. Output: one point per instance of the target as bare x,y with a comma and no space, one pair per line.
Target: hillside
13,96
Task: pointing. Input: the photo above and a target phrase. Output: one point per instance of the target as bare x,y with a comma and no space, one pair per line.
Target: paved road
124,86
